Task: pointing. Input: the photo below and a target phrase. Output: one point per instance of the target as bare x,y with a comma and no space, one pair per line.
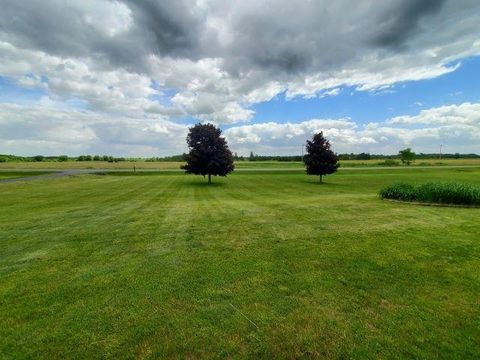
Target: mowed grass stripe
165,265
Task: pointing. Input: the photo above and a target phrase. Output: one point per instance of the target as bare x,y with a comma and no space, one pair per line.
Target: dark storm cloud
403,21
61,30
294,37
288,38
44,25
165,28
171,26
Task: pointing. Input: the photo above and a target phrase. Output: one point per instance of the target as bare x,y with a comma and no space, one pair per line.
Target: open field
172,165
258,265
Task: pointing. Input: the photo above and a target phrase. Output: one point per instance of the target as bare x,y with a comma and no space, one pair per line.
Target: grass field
172,165
258,265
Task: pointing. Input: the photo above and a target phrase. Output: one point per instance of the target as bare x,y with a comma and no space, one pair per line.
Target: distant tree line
367,156
99,158
62,158
175,158
236,157
255,157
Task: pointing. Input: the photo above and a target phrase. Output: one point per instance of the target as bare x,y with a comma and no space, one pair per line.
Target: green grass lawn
258,265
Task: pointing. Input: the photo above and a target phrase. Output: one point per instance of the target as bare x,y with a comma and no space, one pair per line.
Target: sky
128,77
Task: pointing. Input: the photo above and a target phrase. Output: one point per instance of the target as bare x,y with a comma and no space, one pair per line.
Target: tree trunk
321,179
209,178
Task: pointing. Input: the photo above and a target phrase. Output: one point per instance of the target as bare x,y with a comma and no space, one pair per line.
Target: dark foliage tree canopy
320,159
209,153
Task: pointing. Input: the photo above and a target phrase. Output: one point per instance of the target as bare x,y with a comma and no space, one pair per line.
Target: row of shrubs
434,192
61,158
390,162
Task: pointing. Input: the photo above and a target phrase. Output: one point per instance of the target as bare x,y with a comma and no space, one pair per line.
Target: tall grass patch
434,192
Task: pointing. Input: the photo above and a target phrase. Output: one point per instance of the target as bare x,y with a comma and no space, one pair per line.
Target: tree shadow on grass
204,183
326,184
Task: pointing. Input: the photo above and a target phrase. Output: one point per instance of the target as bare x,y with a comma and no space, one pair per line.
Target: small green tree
406,155
320,159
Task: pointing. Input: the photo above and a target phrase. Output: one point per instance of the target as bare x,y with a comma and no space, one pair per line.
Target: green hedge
434,192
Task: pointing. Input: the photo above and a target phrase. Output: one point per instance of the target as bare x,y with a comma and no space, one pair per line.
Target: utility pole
440,152
302,151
